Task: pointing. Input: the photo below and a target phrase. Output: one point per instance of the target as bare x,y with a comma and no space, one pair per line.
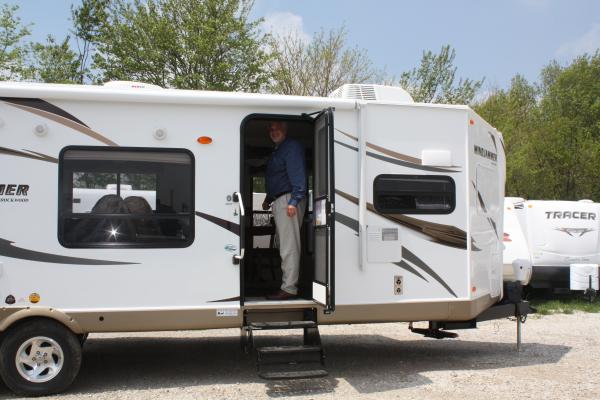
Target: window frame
413,177
61,215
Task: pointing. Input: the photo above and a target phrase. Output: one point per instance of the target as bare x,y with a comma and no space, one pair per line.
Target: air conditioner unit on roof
372,93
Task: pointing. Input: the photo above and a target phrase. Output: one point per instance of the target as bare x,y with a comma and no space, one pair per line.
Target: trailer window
126,197
414,194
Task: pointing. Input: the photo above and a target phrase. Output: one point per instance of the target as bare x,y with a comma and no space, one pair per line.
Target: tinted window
414,194
126,197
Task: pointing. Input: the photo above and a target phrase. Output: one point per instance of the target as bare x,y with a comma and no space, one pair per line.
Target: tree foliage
319,66
204,44
55,62
552,131
87,19
434,80
12,51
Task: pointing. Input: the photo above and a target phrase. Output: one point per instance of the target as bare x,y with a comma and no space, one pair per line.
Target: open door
323,211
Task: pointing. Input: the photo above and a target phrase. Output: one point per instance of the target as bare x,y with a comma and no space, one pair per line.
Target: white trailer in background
558,235
407,222
516,255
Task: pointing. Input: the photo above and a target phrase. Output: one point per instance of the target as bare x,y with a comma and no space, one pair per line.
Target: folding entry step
294,361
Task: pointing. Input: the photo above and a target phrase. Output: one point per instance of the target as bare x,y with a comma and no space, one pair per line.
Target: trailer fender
9,316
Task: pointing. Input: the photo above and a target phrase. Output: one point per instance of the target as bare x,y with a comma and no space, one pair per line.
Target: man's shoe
281,295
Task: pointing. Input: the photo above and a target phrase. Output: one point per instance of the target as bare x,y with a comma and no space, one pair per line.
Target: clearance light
474,289
471,122
205,140
507,237
530,205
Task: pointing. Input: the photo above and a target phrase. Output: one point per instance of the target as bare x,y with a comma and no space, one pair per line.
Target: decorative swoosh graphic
484,208
406,256
30,154
575,231
223,223
412,258
56,114
7,249
396,158
444,234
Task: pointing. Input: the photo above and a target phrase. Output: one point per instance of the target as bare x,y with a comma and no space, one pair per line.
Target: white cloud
589,42
285,23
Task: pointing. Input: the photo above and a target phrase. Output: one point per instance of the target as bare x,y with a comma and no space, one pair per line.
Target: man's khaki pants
288,236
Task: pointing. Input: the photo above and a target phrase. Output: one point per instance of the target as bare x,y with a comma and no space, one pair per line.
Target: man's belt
278,195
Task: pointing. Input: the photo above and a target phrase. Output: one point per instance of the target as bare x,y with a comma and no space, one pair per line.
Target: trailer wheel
39,357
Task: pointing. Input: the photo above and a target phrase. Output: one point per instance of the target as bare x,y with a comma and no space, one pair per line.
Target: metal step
258,326
314,373
288,349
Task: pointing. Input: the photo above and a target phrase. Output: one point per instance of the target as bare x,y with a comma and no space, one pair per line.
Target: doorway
260,272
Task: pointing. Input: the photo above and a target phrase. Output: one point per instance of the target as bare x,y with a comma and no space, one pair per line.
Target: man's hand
266,205
291,211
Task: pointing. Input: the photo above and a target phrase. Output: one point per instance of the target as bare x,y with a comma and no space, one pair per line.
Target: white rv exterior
412,199
559,234
516,255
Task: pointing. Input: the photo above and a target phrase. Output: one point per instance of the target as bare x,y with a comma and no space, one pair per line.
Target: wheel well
30,314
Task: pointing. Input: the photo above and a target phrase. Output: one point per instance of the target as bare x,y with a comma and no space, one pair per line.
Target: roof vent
372,93
130,85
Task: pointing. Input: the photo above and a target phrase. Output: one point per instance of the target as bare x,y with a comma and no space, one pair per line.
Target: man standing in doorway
286,193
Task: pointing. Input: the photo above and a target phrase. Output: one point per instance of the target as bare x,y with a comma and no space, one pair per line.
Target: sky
493,39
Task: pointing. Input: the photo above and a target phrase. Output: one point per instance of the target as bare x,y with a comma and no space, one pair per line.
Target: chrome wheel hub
39,359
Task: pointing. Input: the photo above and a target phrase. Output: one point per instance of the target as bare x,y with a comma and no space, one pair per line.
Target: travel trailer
129,208
516,256
558,234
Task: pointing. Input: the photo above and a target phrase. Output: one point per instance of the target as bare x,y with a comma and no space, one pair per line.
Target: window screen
127,197
414,194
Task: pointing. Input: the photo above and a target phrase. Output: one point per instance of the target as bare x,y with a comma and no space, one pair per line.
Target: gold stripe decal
72,123
34,155
398,156
444,234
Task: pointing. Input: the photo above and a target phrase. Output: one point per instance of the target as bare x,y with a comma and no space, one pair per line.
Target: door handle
237,197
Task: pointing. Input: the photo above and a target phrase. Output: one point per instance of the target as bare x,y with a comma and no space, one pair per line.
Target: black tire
19,334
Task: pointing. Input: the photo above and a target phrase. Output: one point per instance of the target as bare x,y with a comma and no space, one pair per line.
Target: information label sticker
227,312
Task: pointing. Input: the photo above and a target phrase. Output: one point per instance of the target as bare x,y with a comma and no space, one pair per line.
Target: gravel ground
560,359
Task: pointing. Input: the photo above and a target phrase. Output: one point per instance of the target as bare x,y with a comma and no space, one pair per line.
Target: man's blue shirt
286,172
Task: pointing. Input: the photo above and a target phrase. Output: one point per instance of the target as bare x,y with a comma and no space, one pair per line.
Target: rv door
323,211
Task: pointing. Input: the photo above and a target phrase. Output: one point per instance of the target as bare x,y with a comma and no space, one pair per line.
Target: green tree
204,44
12,51
434,81
515,113
568,145
55,62
551,131
319,66
88,18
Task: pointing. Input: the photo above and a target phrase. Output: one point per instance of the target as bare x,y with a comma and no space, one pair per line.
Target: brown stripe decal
225,300
230,226
53,113
34,155
412,258
41,105
413,162
444,234
7,249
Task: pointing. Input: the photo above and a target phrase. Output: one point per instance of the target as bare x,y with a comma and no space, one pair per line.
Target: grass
550,303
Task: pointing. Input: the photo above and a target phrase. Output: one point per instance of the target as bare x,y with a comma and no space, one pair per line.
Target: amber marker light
205,140
34,298
530,205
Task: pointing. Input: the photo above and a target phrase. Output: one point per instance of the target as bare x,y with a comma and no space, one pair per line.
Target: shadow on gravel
370,363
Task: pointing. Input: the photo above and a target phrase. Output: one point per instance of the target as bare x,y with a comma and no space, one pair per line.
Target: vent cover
372,93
